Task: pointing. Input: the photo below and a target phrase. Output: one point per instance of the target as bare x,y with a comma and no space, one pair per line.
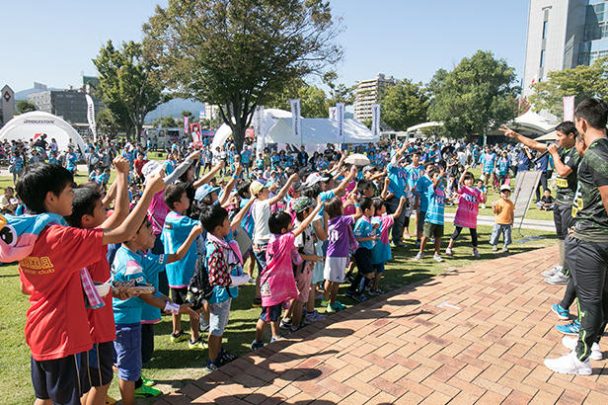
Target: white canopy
24,126
534,122
269,119
430,124
551,136
320,131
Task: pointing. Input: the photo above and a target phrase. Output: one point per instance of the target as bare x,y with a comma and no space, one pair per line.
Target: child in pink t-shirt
277,282
469,199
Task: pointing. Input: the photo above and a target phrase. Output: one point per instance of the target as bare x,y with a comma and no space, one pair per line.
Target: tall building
563,34
369,92
71,105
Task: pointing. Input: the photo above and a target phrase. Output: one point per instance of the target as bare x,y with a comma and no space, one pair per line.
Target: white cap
313,179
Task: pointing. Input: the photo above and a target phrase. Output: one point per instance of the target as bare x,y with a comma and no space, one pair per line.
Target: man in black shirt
587,244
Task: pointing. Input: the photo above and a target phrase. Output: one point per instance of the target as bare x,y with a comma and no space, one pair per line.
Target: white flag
91,116
376,119
340,119
296,119
332,113
258,117
568,108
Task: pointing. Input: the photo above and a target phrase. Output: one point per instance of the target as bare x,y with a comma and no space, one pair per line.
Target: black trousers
543,183
147,342
588,261
473,231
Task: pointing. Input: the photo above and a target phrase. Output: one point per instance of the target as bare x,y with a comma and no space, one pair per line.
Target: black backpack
199,288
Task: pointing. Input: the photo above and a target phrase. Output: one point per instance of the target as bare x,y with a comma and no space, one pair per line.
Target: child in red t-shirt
57,327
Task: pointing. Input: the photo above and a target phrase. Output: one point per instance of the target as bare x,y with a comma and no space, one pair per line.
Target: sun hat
204,191
256,187
313,179
504,187
151,168
302,203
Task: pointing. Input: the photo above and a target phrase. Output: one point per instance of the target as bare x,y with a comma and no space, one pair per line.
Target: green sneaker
181,336
147,392
339,306
324,303
148,382
330,309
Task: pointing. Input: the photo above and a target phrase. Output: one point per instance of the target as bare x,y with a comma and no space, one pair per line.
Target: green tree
338,93
404,105
582,82
237,53
313,100
165,122
128,83
24,106
479,94
187,114
107,122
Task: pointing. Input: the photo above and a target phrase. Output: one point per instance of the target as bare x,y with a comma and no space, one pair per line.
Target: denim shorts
127,351
271,314
218,317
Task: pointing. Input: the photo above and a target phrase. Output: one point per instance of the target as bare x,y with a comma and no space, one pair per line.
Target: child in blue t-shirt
365,234
434,218
130,265
176,229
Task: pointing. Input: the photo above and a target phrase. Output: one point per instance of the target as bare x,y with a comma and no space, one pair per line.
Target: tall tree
313,100
582,82
404,105
24,106
128,83
236,53
338,92
477,95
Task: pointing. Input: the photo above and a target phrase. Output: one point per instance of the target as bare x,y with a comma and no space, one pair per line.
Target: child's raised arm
207,178
284,190
385,193
183,249
338,191
399,210
302,227
121,207
241,214
228,188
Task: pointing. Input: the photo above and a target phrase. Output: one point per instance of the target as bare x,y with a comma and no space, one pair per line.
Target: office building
563,34
71,105
369,92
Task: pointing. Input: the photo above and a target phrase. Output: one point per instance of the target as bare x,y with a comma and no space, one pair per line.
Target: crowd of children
180,245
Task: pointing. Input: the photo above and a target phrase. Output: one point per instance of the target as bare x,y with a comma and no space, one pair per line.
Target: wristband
171,308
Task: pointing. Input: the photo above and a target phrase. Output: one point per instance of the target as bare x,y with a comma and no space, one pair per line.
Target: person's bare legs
423,243
214,345
438,246
97,395
127,391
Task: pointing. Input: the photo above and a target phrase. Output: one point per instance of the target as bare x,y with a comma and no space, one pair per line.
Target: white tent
271,115
24,126
320,131
532,121
551,136
430,124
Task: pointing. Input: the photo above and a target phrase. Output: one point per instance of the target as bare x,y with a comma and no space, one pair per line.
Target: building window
599,10
545,26
542,58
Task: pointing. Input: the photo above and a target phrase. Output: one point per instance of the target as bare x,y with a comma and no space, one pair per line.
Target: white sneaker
569,342
557,279
449,252
569,364
494,248
437,258
419,256
552,271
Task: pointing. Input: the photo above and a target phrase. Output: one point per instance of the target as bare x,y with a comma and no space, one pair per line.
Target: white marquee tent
320,131
271,115
24,126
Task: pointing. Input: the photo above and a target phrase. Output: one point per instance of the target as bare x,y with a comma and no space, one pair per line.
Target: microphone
542,155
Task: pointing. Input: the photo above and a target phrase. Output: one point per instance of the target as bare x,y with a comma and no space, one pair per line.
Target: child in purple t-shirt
469,199
277,282
341,243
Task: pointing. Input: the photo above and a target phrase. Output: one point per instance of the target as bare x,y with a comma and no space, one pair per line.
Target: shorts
304,281
433,230
363,259
101,360
379,268
63,380
219,313
127,351
271,314
179,295
334,269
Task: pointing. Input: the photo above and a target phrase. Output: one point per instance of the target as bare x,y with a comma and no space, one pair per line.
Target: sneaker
505,250
360,297
275,339
561,312
314,316
227,357
419,256
211,366
255,345
110,400
449,252
330,309
180,336
147,381
570,329
203,325
570,343
197,344
437,258
476,253
285,324
557,279
340,306
494,248
569,364
147,392
552,271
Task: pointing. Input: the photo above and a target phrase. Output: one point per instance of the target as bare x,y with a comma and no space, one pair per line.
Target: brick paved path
475,335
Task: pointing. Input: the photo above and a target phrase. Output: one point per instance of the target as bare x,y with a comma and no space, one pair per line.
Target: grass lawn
174,365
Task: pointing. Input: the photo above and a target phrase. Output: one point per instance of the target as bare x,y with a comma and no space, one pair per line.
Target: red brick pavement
478,335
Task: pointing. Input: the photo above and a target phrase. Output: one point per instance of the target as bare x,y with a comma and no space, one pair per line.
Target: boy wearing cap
176,230
503,215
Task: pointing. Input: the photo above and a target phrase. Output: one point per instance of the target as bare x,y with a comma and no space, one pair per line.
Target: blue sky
53,42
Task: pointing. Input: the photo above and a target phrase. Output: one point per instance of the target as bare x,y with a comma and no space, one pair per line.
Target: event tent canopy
319,131
268,120
25,126
532,121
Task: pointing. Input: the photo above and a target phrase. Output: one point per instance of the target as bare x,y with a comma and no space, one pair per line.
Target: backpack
199,288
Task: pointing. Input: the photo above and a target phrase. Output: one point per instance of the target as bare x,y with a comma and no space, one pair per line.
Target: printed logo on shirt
37,265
